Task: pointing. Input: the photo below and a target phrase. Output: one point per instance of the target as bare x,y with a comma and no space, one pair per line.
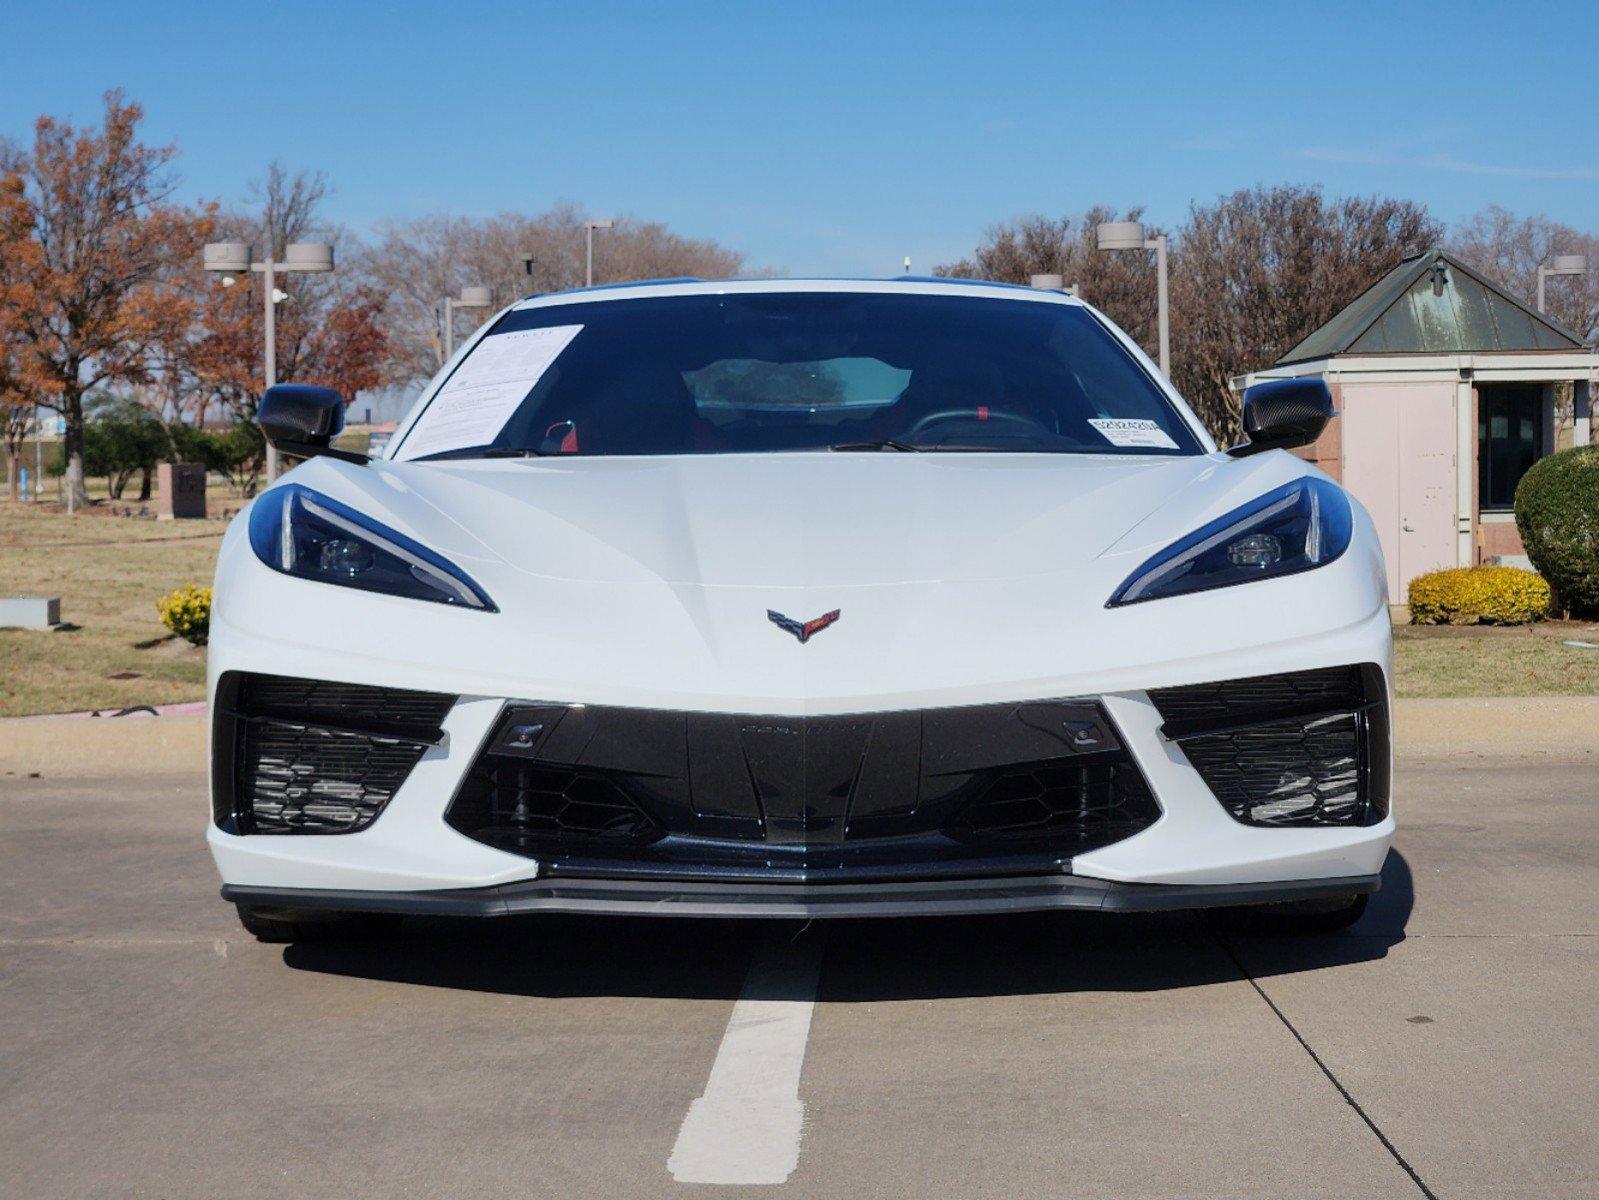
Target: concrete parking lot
1443,1047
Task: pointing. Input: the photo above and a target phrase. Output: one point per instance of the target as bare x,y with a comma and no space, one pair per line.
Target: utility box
29,612
180,491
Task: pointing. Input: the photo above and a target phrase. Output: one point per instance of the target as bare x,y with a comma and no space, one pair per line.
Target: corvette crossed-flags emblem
802,630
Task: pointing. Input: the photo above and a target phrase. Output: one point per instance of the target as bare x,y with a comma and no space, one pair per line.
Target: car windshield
747,372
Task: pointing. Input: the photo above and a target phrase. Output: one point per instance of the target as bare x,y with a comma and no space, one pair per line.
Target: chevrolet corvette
799,598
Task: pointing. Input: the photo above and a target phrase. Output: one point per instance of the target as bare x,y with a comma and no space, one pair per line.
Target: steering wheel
972,414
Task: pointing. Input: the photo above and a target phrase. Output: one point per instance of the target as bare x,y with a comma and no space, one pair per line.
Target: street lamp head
229,258
1567,264
1121,235
1048,283
307,256
605,224
474,297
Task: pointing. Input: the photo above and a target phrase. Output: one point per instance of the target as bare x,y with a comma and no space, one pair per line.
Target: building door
1399,461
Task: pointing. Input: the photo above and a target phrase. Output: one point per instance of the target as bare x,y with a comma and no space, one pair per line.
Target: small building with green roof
1447,389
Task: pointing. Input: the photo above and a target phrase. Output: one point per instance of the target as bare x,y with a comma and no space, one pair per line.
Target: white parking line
745,1128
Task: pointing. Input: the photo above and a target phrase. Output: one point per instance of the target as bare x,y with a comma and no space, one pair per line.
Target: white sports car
799,598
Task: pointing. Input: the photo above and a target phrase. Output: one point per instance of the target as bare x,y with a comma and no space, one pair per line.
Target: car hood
784,520
647,582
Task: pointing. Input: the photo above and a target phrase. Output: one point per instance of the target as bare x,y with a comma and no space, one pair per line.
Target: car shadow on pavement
865,960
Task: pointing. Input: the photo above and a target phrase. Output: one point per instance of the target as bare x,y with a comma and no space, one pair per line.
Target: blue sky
830,137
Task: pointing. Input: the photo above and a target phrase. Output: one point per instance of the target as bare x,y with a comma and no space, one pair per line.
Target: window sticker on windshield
477,401
1133,431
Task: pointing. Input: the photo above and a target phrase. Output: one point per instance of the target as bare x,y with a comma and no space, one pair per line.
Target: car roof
904,285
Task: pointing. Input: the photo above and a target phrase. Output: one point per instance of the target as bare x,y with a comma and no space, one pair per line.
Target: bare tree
1252,274
286,207
1120,285
1508,249
637,249
415,263
1258,270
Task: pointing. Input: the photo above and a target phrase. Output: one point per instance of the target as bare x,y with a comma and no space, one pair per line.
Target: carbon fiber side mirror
1283,413
303,421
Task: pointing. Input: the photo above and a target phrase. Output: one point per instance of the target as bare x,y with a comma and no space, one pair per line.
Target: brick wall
1327,452
1498,537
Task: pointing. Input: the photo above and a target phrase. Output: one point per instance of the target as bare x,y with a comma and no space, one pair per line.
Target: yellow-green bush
1478,596
187,612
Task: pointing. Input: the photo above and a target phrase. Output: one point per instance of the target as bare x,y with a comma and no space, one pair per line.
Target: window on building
1509,440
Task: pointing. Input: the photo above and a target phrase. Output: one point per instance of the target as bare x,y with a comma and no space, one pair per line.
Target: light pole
1129,235
1560,264
231,259
471,297
1052,283
589,227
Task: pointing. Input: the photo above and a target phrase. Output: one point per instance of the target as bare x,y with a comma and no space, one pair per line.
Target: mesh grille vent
1308,748
304,756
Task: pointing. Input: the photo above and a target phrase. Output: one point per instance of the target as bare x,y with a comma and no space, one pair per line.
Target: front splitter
922,898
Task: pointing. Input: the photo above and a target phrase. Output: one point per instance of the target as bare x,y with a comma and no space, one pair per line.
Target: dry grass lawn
1527,660
108,572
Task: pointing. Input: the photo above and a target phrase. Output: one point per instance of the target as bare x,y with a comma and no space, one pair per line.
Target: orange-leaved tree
104,242
17,258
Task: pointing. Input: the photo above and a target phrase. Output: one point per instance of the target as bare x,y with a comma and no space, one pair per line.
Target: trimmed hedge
1478,596
1557,512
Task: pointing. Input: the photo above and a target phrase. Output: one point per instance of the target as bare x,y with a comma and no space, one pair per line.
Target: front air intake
527,808
1084,803
585,782
308,756
1303,749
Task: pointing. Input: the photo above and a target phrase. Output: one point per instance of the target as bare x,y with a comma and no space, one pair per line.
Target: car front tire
279,925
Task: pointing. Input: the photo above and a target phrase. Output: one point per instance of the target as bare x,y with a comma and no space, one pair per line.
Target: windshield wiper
933,447
884,444
486,452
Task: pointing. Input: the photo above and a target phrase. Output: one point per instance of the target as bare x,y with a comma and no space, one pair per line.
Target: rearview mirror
303,421
1283,413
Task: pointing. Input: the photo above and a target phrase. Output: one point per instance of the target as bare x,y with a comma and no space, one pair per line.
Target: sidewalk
1499,727
100,747
1563,728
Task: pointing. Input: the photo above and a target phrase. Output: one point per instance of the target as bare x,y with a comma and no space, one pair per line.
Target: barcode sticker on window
1133,431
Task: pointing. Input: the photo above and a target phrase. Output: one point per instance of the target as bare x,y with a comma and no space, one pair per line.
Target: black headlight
312,536
1297,527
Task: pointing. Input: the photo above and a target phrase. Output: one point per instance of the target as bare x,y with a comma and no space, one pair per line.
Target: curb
190,708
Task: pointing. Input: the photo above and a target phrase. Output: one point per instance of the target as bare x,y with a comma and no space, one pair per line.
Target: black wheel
312,925
1325,915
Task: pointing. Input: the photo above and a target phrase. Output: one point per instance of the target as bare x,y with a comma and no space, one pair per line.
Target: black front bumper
592,790
690,898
